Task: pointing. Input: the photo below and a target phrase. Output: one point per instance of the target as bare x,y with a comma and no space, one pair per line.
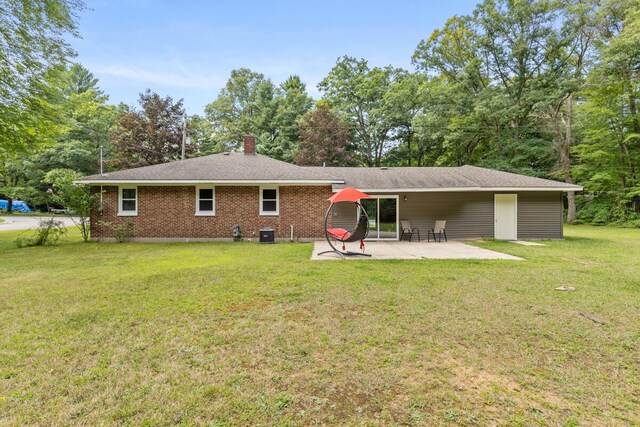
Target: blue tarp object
16,205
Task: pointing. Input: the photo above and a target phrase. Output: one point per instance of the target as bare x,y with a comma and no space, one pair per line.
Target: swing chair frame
329,236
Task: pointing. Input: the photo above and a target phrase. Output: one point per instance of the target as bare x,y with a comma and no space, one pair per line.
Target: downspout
291,239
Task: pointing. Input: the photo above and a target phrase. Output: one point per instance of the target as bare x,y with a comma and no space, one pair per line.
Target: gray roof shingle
412,178
241,168
217,167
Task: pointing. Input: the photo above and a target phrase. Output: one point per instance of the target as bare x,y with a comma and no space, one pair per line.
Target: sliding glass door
383,217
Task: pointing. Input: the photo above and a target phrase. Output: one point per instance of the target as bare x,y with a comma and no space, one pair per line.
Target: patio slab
527,243
414,250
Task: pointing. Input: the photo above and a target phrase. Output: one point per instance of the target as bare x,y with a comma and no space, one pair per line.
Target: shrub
49,231
607,209
77,199
121,230
595,210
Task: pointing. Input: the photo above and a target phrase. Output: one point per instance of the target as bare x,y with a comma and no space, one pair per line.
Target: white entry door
506,217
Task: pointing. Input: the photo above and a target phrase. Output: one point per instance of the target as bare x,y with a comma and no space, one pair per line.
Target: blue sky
186,49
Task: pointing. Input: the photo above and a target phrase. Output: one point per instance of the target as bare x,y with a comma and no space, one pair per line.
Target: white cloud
173,78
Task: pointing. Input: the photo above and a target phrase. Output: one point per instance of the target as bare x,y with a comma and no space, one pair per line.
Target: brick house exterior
169,212
204,197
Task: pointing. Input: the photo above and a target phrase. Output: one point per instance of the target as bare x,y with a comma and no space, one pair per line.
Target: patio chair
439,230
408,231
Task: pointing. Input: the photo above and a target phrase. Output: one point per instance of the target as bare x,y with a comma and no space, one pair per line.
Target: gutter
462,189
204,181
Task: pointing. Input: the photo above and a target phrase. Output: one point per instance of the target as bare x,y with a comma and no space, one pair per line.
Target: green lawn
243,334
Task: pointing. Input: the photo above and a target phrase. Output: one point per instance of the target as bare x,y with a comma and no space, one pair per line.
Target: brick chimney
249,144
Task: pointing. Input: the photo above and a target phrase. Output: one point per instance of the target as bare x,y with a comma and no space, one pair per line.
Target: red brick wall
169,212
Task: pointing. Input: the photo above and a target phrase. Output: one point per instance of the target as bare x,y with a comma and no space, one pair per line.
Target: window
205,201
128,205
269,204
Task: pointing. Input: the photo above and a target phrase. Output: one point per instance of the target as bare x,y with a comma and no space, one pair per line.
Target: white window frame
377,198
205,213
270,213
122,212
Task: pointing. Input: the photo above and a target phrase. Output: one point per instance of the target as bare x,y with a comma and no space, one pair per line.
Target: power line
185,136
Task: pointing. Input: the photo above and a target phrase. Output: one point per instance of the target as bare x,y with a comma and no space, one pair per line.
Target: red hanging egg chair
359,232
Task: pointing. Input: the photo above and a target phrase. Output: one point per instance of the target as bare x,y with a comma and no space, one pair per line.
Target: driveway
26,222
413,250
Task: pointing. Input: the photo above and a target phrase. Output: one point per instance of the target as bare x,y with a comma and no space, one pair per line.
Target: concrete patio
413,250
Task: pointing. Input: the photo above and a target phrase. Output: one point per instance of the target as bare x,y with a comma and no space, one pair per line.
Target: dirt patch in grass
469,378
248,306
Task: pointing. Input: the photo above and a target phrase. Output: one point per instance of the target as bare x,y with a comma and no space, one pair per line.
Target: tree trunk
565,160
633,108
571,206
624,147
9,205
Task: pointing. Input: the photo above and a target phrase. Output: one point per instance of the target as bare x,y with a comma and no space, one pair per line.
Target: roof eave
206,181
463,189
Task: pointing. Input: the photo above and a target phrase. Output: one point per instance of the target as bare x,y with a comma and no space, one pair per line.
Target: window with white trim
128,203
269,201
205,201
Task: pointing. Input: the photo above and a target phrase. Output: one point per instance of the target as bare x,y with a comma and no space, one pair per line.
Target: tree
14,188
150,136
88,123
83,128
447,130
33,47
564,79
323,139
404,101
292,103
16,183
232,115
202,135
516,38
609,153
81,80
265,110
457,123
356,92
76,198
251,104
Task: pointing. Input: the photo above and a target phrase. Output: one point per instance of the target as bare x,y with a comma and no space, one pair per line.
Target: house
204,197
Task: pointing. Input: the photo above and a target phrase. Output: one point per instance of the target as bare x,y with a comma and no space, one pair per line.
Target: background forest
541,88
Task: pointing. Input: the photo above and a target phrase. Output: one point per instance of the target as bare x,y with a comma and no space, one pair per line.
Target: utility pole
184,134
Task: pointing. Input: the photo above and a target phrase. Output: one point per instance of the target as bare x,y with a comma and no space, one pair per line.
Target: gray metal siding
470,215
540,215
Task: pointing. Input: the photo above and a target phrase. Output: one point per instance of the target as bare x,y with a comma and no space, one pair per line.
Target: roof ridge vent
226,153
384,168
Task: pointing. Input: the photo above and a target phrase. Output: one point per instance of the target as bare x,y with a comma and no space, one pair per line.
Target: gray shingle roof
495,178
241,168
217,167
412,178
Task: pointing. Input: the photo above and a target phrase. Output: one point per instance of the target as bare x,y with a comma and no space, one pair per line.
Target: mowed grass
244,334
